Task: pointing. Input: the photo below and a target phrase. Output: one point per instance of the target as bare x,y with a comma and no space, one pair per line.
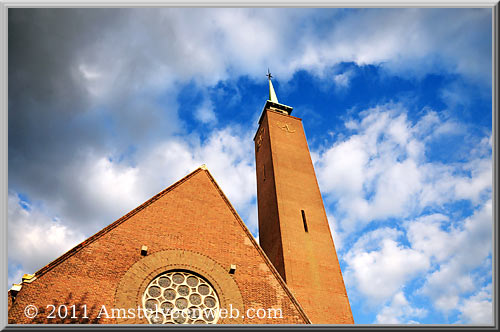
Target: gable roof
153,199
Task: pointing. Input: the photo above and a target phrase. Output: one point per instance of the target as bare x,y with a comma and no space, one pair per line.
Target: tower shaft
293,226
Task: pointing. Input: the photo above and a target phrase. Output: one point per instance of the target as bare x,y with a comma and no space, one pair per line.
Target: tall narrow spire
272,94
272,103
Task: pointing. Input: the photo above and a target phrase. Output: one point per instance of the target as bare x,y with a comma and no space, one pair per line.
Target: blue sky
107,107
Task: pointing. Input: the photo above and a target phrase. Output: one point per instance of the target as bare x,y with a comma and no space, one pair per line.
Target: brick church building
186,249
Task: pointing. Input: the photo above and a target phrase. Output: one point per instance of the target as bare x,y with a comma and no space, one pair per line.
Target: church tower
293,226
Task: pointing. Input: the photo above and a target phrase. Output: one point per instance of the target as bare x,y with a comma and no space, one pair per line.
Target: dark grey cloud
88,84
56,120
46,97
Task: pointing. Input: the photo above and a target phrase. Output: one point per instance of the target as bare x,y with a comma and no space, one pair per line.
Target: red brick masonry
189,225
293,227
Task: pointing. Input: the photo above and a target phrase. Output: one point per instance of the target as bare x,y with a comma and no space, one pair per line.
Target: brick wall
191,216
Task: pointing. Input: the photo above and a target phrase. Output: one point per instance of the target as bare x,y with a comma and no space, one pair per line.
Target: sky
107,107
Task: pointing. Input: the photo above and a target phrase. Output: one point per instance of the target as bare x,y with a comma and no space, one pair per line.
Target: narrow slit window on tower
264,172
304,220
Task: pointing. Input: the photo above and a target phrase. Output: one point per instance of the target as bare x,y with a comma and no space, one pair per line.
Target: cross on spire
269,74
272,94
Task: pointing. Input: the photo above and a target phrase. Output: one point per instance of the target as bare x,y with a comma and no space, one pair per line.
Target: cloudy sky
107,107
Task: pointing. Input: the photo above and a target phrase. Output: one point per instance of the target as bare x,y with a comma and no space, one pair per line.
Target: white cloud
208,45
379,267
205,113
111,184
342,80
381,171
467,246
228,154
481,178
410,42
478,309
35,238
380,158
399,311
427,235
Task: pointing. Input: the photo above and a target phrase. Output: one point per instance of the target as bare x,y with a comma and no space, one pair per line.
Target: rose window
180,297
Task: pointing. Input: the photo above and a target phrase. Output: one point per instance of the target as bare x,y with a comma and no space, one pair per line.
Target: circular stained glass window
180,297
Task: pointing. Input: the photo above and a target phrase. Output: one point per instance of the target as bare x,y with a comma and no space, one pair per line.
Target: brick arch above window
128,294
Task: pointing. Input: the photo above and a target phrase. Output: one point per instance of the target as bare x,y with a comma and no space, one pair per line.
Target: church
186,257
